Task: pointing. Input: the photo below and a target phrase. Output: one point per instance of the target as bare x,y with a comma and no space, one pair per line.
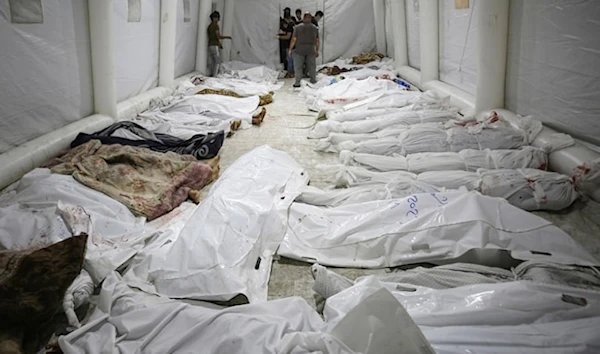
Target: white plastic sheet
226,248
528,189
556,80
137,44
185,126
398,188
77,295
31,217
130,322
587,178
239,86
389,105
468,160
186,38
423,228
251,72
46,80
349,91
393,120
490,318
216,106
431,138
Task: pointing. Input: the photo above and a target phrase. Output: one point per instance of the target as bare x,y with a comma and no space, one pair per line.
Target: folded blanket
149,183
128,133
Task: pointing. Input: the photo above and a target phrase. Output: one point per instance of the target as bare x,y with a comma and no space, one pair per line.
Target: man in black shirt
298,18
286,29
317,17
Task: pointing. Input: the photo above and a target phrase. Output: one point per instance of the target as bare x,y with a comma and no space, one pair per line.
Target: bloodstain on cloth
149,183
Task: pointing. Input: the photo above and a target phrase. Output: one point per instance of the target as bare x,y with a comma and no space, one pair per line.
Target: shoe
296,85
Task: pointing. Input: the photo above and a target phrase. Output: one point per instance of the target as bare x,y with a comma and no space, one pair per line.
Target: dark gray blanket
200,146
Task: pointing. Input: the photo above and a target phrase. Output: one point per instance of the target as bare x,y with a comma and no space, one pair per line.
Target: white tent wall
539,49
185,44
136,46
553,61
61,82
413,24
255,32
311,6
46,80
458,45
257,21
347,28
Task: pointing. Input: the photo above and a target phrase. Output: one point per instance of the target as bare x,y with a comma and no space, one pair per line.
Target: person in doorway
214,44
305,47
286,30
298,18
317,17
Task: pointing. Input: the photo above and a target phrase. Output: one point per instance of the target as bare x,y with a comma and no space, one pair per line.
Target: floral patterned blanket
149,183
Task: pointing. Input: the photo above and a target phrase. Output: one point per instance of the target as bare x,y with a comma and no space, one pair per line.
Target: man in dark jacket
286,29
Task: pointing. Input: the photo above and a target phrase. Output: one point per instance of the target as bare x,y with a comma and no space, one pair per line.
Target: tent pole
202,48
168,28
379,12
228,28
492,46
399,33
103,57
429,30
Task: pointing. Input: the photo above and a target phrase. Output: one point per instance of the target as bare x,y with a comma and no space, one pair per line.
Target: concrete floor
286,126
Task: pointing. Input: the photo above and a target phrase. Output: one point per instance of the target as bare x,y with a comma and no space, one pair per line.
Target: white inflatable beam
429,29
102,45
379,12
202,48
131,107
227,28
24,158
168,30
399,33
492,25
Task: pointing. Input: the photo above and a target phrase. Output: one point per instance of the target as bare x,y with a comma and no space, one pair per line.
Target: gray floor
286,127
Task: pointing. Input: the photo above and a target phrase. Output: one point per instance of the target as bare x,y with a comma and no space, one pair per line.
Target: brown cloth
32,286
258,119
366,58
149,183
334,70
264,99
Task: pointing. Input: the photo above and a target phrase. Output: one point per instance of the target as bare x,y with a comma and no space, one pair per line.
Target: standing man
306,43
286,30
298,18
318,16
214,44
